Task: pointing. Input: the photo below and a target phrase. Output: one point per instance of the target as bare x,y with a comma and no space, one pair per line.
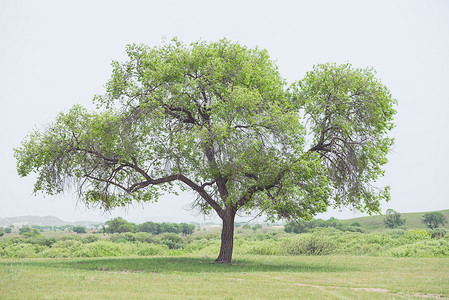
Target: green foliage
217,118
28,231
393,219
425,248
302,226
172,240
438,233
322,241
376,222
416,235
79,229
168,107
434,219
24,229
119,225
308,244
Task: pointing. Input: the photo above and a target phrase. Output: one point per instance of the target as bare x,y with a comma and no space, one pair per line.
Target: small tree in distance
393,219
79,229
218,119
434,219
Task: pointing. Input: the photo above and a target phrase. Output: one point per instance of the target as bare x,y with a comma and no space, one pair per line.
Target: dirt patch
426,296
371,290
379,290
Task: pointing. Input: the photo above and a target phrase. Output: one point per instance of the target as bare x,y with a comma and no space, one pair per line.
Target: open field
250,277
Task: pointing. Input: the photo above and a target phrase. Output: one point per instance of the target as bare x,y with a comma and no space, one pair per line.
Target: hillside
376,223
41,221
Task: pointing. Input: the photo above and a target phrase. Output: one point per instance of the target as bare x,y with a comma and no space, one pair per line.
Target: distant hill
376,223
41,221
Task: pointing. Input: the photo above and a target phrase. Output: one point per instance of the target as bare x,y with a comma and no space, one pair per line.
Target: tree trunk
227,239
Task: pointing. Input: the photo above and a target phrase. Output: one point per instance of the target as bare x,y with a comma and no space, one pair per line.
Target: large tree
217,118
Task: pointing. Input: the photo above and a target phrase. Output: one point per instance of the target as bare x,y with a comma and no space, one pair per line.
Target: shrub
22,250
145,249
395,233
415,235
71,237
105,249
63,248
309,244
424,248
438,233
41,240
172,240
90,239
266,247
144,237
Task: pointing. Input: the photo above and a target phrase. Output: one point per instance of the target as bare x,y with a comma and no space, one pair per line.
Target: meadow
269,263
249,277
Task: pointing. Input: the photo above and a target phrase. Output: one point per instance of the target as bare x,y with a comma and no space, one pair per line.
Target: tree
79,229
28,231
393,219
218,119
119,225
25,228
187,229
434,219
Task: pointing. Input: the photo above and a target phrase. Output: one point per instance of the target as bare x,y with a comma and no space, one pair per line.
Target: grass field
376,222
250,277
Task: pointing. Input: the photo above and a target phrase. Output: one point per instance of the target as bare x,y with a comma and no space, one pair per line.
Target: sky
55,54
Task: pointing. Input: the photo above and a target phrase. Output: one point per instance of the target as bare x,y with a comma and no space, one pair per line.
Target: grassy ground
250,277
376,222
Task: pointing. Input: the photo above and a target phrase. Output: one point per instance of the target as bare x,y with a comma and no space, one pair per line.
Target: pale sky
54,54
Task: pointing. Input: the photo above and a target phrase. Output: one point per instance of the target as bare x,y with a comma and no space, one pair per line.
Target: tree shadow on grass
171,265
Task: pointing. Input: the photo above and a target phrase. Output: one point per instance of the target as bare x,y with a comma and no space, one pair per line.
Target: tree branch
258,188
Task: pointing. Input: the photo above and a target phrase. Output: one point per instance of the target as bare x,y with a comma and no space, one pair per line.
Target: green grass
250,277
376,223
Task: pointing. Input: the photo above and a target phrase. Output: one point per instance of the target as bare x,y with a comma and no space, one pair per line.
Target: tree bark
227,238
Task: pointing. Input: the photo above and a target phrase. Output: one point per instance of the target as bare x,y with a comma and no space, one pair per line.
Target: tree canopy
434,219
217,118
393,219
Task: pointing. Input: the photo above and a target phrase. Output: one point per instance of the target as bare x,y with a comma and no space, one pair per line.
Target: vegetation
325,262
249,277
119,224
434,219
218,119
79,229
319,240
393,219
306,226
376,223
